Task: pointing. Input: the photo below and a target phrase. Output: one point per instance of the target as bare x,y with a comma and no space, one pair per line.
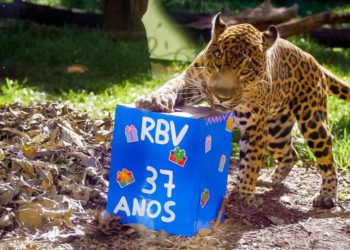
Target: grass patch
96,104
12,91
42,56
339,121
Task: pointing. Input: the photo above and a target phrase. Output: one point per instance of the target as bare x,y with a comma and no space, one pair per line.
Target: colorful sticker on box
178,156
215,119
222,163
125,177
207,143
204,197
131,133
229,123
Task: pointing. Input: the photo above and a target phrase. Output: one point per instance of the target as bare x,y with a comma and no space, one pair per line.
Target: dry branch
332,37
48,15
262,16
308,23
265,14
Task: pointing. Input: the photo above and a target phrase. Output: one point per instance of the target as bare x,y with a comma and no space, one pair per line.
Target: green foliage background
212,6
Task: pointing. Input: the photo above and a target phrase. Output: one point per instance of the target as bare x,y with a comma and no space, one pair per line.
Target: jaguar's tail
337,87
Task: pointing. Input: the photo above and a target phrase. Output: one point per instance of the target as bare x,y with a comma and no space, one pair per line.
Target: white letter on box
177,139
145,129
151,181
170,212
162,132
169,185
137,208
157,212
122,206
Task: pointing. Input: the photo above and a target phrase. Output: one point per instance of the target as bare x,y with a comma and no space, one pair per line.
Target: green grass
96,104
42,55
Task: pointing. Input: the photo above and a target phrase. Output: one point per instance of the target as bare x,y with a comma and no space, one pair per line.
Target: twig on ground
222,208
304,228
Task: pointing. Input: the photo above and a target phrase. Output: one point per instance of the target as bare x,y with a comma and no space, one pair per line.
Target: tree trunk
122,18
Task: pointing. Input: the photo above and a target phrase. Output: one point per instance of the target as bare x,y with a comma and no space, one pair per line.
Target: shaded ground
286,220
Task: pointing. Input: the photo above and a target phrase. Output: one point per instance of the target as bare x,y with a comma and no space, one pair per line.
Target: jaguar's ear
269,37
218,26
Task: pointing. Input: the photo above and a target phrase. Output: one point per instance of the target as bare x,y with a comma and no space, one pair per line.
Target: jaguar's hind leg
313,125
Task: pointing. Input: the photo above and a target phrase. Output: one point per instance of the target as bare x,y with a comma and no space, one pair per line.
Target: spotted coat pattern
269,84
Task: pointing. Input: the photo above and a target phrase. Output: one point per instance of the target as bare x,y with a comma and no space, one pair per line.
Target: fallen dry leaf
17,132
7,219
76,69
2,155
30,217
7,192
276,220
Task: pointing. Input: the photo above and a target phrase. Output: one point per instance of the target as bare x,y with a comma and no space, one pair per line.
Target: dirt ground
286,220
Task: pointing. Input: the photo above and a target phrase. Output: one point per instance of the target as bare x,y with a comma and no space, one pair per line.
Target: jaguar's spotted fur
269,84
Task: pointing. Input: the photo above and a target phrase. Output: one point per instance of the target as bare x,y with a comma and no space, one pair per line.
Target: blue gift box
169,170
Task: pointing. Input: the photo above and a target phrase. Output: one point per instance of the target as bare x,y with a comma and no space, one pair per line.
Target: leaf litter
53,170
54,164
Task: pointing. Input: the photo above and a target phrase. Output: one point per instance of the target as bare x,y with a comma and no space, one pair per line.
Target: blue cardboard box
169,171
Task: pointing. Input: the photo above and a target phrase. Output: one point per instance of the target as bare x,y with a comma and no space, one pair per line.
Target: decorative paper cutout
229,123
178,156
125,177
131,133
204,197
222,163
215,119
207,143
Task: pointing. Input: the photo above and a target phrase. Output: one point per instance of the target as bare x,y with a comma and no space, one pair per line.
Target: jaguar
269,84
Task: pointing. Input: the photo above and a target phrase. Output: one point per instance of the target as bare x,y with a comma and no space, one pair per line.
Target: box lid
197,112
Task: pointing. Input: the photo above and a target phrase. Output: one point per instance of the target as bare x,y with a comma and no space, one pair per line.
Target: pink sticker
207,143
222,163
131,133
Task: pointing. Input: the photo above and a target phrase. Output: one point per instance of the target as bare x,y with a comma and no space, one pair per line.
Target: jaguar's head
235,61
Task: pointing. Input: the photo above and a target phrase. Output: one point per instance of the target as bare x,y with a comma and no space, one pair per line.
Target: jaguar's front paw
324,201
155,102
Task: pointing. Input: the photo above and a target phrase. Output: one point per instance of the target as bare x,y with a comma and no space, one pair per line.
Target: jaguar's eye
244,71
218,53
